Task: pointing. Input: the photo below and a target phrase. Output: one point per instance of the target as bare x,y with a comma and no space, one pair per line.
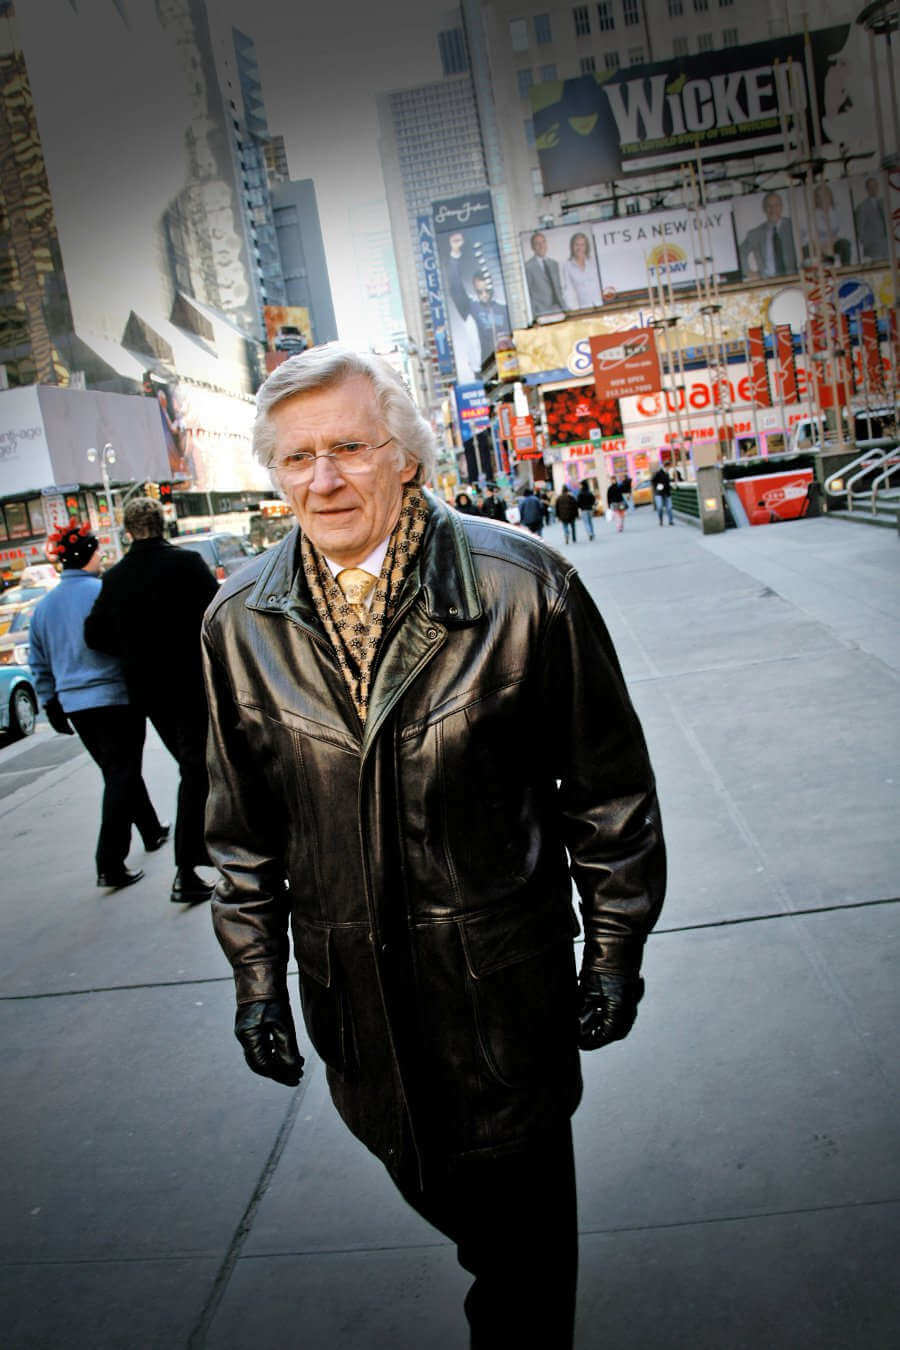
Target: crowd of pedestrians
535,507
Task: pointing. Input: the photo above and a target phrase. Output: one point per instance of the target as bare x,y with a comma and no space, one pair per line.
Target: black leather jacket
420,861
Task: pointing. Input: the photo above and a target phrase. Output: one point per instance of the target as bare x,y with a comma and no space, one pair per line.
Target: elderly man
374,788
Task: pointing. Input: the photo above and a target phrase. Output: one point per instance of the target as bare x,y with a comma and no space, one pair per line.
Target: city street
738,1159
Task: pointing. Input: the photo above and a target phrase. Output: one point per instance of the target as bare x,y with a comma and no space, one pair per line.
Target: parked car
14,642
18,702
30,589
222,553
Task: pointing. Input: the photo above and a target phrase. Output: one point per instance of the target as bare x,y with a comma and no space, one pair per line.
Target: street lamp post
105,457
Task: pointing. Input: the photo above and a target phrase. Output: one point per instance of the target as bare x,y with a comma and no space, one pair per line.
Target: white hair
328,365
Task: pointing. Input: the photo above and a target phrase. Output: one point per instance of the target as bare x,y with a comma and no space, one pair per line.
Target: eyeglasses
349,458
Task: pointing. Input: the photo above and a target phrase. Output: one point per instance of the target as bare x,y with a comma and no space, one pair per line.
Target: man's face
482,289
872,187
456,241
772,208
344,517
539,245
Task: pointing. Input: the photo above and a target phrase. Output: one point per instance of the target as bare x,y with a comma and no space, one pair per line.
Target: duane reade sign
712,105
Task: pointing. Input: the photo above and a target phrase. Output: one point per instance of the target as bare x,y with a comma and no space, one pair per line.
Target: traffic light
165,494
152,490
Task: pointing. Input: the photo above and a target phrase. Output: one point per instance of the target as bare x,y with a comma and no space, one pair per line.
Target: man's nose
326,477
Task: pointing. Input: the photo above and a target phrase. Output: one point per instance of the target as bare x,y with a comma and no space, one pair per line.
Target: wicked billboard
714,105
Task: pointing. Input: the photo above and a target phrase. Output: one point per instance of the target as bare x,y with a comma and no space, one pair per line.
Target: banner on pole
759,370
871,351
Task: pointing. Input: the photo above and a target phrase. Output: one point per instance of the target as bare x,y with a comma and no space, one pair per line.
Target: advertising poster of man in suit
561,270
870,215
765,234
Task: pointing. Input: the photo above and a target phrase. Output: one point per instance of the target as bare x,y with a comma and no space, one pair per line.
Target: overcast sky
322,65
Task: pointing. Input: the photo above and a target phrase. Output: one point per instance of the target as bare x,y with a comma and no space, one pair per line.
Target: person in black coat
465,504
494,506
662,494
148,614
567,512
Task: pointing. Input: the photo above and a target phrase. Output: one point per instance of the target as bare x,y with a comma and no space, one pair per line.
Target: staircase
886,510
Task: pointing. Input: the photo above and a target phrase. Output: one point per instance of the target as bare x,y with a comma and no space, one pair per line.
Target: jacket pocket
521,970
325,1009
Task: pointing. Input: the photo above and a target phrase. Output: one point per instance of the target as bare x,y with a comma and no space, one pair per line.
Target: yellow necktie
357,585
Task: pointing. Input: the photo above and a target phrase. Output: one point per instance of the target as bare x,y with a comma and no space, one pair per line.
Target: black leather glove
266,1031
57,718
608,1007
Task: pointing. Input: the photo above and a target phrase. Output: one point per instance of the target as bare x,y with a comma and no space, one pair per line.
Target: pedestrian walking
531,512
662,494
418,856
86,690
148,614
494,506
625,484
586,501
615,503
567,512
465,504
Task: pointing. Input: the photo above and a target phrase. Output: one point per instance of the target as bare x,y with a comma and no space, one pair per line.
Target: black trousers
515,1224
182,730
114,738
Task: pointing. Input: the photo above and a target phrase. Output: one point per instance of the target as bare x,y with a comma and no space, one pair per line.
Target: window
542,30
582,20
611,60
452,47
631,12
518,34
605,20
547,73
725,4
633,208
635,56
587,65
525,80
676,7
679,46
537,182
529,130
729,37
701,6
704,42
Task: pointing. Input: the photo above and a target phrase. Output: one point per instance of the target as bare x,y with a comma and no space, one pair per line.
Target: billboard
428,251
626,363
288,328
473,281
713,105
575,415
663,248
560,270
472,409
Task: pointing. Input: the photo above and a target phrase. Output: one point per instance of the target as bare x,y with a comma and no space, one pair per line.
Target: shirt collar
371,563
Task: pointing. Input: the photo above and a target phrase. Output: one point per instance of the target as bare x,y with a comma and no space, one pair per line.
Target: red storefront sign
759,371
522,436
626,363
769,497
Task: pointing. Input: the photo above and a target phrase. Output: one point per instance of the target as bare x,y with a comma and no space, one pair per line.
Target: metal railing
880,457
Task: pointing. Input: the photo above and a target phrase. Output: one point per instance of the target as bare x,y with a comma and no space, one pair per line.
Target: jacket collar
444,574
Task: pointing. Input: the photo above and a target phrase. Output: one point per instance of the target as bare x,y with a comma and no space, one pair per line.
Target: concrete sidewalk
739,1170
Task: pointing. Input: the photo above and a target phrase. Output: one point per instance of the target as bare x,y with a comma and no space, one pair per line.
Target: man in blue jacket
86,690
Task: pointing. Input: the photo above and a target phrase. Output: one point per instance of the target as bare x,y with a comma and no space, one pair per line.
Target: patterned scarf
356,637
